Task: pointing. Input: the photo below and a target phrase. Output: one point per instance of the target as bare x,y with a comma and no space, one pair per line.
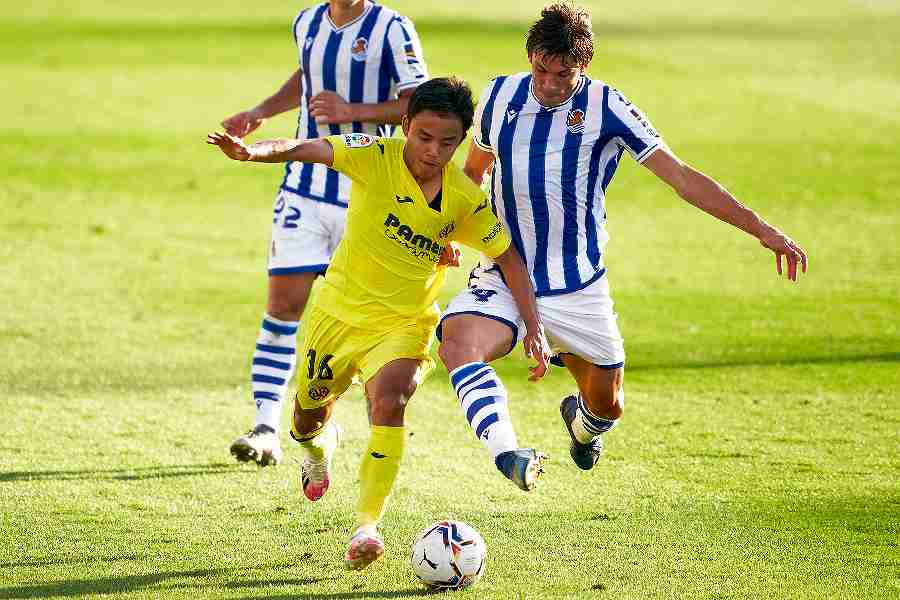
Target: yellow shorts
334,353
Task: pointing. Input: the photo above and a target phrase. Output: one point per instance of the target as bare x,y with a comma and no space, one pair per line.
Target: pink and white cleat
365,547
315,474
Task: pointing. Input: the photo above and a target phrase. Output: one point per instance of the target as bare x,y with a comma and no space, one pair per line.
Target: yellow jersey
384,270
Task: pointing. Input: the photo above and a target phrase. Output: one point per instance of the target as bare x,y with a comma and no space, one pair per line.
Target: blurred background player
359,62
376,314
555,138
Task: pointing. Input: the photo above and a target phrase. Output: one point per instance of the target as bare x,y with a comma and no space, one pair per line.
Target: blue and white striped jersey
552,167
368,60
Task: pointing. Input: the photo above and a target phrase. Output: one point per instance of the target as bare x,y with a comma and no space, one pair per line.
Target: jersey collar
349,24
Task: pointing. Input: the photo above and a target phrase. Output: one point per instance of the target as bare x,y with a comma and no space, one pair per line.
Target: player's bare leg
319,437
288,294
468,343
273,364
597,408
388,393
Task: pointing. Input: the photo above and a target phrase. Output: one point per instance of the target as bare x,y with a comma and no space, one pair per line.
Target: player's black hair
563,30
449,95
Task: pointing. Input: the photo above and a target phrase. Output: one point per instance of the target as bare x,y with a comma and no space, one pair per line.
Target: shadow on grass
770,362
267,583
155,581
351,595
103,585
124,474
70,560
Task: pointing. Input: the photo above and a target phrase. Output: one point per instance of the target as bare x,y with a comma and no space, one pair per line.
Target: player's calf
483,400
271,370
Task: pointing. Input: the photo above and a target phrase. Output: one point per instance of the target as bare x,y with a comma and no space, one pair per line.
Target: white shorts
305,233
582,323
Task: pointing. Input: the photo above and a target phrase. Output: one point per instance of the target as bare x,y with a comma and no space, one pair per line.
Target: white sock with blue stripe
273,365
483,400
586,425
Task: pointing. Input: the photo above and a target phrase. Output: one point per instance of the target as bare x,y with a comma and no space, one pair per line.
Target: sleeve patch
642,120
358,140
495,230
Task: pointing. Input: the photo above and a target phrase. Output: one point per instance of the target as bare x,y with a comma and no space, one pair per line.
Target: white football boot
315,475
365,547
260,444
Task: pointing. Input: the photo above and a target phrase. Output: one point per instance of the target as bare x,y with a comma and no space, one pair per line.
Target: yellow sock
377,472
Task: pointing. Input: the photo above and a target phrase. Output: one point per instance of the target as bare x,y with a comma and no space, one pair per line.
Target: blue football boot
522,466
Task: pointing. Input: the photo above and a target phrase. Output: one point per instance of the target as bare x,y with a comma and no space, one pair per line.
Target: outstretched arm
286,98
707,195
273,151
519,282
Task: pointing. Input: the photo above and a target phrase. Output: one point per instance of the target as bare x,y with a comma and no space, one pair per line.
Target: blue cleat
584,455
522,466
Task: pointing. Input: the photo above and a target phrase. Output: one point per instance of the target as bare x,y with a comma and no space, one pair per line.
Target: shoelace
315,469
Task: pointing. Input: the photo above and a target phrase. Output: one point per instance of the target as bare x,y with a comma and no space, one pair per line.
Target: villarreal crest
359,49
575,120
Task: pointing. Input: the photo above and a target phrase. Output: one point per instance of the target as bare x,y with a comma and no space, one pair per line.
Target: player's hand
449,257
233,147
243,124
328,107
782,245
537,347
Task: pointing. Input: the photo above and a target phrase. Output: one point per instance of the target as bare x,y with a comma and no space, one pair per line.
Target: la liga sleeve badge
358,140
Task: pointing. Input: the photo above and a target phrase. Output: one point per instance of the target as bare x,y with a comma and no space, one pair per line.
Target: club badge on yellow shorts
335,352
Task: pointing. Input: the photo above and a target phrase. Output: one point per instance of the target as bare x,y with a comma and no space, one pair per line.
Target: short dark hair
449,95
563,30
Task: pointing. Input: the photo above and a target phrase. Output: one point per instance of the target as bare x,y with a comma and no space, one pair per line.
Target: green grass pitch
759,453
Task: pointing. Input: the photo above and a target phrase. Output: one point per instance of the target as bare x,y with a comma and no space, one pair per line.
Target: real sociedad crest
575,120
359,50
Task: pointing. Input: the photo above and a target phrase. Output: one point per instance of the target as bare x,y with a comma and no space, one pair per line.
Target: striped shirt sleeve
295,27
629,125
481,124
405,49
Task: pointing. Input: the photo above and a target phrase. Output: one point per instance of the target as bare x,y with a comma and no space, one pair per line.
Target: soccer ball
448,555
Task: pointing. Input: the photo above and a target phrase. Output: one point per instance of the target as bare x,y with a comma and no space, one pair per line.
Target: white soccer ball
448,555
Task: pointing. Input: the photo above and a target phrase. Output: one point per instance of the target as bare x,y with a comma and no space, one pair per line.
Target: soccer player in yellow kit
375,315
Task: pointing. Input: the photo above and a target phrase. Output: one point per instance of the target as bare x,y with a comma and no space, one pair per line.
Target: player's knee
454,353
387,404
